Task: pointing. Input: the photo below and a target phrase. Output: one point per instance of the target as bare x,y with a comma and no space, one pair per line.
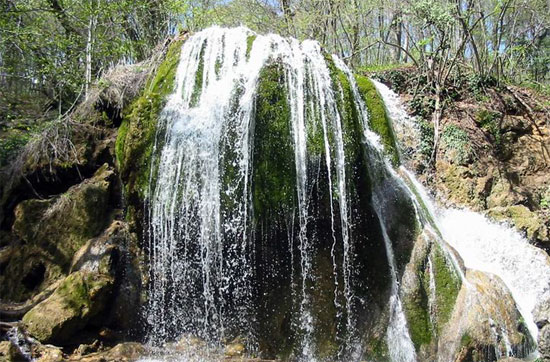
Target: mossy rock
51,231
484,313
80,297
136,136
379,120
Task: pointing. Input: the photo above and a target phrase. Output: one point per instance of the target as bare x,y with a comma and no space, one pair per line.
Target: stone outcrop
485,323
78,299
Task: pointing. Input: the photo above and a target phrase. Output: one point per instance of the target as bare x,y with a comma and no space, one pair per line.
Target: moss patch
136,137
416,309
249,43
447,286
379,120
78,298
274,175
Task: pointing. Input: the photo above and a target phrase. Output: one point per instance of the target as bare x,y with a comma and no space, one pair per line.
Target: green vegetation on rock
249,43
80,297
416,308
457,144
136,137
274,170
447,286
379,120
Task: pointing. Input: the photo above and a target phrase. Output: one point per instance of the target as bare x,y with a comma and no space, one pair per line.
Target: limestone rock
123,352
64,223
484,318
542,319
47,353
523,219
80,297
50,232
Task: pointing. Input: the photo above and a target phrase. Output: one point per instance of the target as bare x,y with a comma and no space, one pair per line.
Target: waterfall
482,244
202,248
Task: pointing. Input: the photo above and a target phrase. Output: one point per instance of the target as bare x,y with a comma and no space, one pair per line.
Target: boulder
63,224
485,323
49,232
80,297
123,352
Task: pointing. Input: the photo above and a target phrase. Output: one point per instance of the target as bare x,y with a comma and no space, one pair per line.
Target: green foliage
490,122
10,145
426,145
478,83
458,146
466,340
545,200
433,13
422,106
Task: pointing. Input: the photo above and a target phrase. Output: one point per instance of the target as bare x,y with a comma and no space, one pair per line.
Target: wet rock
85,349
234,349
10,352
542,319
484,320
47,353
123,352
80,297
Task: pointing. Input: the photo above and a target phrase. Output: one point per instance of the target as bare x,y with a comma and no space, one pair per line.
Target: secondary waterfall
482,244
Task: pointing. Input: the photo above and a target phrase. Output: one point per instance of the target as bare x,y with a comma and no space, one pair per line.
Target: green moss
274,178
466,340
377,350
447,286
416,310
249,42
79,297
136,137
379,120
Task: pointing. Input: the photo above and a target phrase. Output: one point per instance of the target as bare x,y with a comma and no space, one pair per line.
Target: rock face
50,231
10,352
80,297
485,323
525,220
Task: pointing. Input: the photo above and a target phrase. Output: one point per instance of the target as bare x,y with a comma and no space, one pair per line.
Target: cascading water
211,257
482,244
